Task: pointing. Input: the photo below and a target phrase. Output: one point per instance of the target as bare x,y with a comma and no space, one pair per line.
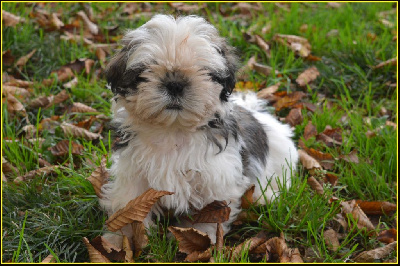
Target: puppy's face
173,72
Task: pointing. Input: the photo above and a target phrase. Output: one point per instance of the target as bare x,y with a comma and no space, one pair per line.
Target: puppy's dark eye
221,52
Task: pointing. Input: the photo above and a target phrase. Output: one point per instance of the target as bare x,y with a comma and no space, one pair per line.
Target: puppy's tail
249,100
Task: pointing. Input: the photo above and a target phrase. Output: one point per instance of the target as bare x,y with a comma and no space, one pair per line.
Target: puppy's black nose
174,88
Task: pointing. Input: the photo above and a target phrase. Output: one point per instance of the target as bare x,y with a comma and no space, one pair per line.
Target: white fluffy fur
168,152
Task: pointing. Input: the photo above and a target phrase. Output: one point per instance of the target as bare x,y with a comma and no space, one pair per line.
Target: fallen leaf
187,8
388,236
7,167
332,33
352,208
58,98
387,23
41,101
376,207
56,22
14,106
376,254
307,161
94,255
10,20
334,4
18,83
8,58
139,237
49,259
250,245
24,59
310,131
275,245
107,249
69,37
16,91
126,246
190,239
289,100
325,159
351,157
264,93
294,255
309,75
72,83
331,239
263,69
263,45
247,198
219,243
199,256
294,117
299,45
136,209
99,177
93,28
101,55
62,148
315,185
41,171
215,212
74,131
390,62
78,107
331,178
330,142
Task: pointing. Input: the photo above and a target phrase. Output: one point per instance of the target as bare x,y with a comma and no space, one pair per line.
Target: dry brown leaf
299,45
309,75
247,198
219,243
264,93
69,37
14,106
3,177
42,162
390,62
187,8
325,159
19,83
24,59
59,98
72,83
263,45
78,107
8,58
352,208
136,209
31,174
329,141
10,20
139,237
94,255
101,55
126,246
62,148
294,255
307,161
315,185
387,23
331,178
249,244
199,256
107,249
74,131
289,100
294,117
332,33
275,245
331,239
93,28
310,131
7,167
215,212
263,69
56,22
376,254
334,4
99,177
376,207
351,157
190,239
41,101
387,236
334,133
49,259
16,91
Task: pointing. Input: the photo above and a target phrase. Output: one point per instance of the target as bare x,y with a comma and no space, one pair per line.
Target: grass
51,214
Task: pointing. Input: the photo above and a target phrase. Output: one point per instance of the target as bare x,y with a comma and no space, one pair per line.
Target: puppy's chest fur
212,163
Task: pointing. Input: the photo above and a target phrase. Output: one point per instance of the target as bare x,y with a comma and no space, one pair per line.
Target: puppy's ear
228,80
115,70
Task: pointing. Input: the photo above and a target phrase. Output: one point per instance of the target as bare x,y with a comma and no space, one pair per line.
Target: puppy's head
173,72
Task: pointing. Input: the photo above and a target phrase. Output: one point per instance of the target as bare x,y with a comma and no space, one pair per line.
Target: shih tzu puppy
181,131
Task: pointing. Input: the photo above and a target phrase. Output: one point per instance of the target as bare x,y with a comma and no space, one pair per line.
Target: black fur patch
120,135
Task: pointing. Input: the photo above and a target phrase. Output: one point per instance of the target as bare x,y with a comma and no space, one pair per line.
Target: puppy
180,130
